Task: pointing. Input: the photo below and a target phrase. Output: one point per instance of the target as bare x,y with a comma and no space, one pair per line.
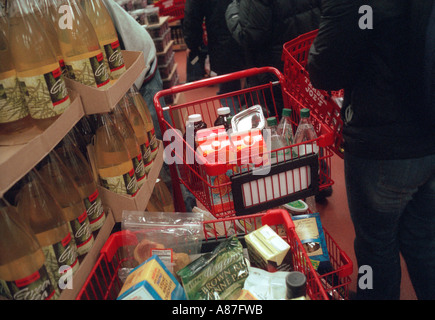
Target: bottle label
114,58
139,169
95,210
89,69
81,230
124,184
147,156
63,253
44,91
37,286
154,144
12,106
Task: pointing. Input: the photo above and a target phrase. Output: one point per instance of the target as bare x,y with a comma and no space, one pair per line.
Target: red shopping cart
105,283
325,105
235,188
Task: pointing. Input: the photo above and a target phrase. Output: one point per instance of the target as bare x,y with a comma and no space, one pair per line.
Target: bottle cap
305,113
271,121
194,118
286,112
223,111
296,283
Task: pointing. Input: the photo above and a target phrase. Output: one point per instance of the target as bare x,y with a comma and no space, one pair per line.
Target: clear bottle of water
285,126
277,141
305,132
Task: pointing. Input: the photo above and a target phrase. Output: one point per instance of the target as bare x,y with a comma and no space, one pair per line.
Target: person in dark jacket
225,54
389,135
263,26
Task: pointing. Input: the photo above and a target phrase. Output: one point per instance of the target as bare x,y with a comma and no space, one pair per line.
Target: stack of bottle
40,45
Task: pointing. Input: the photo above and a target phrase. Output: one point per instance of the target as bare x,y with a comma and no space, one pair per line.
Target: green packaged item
217,275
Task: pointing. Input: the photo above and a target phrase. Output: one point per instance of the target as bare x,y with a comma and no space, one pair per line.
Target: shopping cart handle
278,216
347,268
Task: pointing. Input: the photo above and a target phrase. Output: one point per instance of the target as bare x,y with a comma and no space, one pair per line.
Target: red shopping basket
229,188
322,103
104,282
174,9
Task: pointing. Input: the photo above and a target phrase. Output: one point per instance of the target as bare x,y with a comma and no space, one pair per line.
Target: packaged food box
268,251
151,280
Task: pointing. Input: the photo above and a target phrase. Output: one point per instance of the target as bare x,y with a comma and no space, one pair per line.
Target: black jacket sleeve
250,22
194,13
338,49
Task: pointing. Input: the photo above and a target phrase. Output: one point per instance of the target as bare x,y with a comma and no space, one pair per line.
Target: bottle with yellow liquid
23,272
14,115
81,50
112,158
42,14
4,24
38,209
142,107
136,122
107,36
65,191
38,70
123,125
163,195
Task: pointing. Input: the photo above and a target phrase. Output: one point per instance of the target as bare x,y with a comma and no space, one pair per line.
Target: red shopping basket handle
278,216
213,81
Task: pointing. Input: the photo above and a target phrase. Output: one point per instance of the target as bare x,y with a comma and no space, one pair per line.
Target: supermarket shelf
100,101
16,161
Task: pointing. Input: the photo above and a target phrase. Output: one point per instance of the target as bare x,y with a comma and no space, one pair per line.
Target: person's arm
339,47
250,22
192,25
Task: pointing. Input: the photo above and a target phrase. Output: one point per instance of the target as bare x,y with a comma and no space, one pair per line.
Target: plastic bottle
136,121
40,211
142,107
123,125
4,24
222,119
194,123
14,115
305,132
163,196
37,65
296,283
112,159
285,126
80,47
81,172
42,14
277,141
107,36
65,191
23,273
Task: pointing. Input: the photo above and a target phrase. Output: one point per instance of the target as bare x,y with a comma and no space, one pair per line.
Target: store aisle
334,213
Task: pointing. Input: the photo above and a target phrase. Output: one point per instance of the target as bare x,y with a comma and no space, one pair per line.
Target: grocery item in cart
264,285
112,159
37,66
23,272
296,283
107,36
203,135
151,281
194,123
268,251
296,207
309,229
216,275
248,119
222,119
285,126
278,143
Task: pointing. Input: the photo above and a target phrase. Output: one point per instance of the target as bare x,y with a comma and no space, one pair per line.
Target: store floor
334,214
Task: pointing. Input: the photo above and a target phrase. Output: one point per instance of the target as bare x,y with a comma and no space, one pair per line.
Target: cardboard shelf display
88,263
117,202
100,101
17,160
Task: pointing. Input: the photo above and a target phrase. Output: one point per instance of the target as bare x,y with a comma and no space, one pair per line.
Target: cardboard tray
118,203
100,101
17,160
90,259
